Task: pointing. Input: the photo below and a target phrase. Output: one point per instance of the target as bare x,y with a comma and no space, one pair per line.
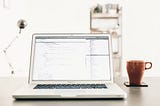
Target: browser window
72,58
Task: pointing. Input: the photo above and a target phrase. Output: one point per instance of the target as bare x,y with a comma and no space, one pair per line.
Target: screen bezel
60,35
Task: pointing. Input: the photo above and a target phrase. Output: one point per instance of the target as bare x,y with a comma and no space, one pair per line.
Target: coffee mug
135,70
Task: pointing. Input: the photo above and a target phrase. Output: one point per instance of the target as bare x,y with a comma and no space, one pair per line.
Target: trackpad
68,95
71,93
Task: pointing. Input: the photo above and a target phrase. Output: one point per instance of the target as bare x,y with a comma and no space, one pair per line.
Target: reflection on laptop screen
71,58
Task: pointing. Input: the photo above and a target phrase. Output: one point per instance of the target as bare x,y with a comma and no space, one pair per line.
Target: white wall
140,28
141,33
16,9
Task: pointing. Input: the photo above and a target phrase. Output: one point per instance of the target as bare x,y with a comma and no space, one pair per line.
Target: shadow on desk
71,99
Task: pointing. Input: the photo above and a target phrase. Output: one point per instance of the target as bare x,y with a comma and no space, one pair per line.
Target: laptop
64,66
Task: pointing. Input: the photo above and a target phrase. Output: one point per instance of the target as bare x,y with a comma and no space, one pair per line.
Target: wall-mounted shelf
104,16
109,15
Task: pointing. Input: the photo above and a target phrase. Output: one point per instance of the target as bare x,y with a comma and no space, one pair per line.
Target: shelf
103,31
104,16
116,55
98,30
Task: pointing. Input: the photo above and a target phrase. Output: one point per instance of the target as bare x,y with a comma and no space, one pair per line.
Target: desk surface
146,96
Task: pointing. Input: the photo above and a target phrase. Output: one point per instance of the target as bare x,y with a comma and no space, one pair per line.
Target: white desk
146,96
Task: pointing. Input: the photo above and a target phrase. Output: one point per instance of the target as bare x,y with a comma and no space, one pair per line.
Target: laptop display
71,58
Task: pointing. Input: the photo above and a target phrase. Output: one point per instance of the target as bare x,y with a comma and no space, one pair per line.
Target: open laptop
70,66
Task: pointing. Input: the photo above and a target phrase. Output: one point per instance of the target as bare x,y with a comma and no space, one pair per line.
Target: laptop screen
71,58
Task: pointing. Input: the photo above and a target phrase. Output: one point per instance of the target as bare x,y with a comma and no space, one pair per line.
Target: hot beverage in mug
135,70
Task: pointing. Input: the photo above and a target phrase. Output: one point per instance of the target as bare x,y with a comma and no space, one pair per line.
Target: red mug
135,70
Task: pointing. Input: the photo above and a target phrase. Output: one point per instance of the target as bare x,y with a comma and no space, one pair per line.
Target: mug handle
146,68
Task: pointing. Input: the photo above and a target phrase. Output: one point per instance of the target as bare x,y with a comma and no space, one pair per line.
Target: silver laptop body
70,66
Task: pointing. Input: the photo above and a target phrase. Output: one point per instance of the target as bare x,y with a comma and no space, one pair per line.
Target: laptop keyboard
70,86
